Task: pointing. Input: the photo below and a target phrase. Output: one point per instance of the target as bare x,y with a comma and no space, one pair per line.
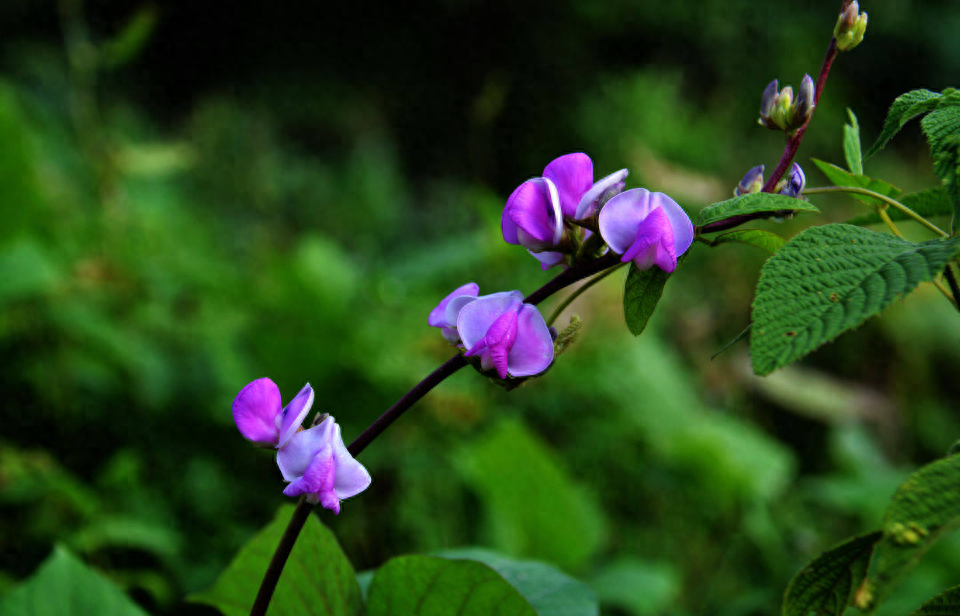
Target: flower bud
780,111
752,182
804,104
850,28
792,185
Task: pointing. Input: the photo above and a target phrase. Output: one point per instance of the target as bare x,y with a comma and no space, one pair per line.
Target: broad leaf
64,586
928,203
433,586
638,587
924,507
825,587
764,240
842,177
942,129
946,603
317,579
851,145
642,292
752,204
549,591
829,279
905,108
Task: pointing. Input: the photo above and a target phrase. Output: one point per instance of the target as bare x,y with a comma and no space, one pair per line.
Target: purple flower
260,418
646,228
508,335
445,314
316,463
752,182
793,184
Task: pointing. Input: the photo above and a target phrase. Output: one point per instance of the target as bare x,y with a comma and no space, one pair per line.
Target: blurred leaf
534,508
752,203
826,585
942,129
851,145
829,279
127,532
946,603
22,198
549,591
923,509
433,586
764,240
905,108
928,203
26,270
316,574
641,293
638,587
841,177
130,41
64,586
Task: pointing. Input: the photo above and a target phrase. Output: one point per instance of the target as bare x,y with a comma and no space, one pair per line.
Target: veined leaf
851,145
924,507
905,108
829,279
928,203
752,204
842,177
642,292
764,240
434,586
946,603
826,585
942,129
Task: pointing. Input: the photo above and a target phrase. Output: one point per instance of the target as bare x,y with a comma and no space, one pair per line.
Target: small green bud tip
779,110
850,28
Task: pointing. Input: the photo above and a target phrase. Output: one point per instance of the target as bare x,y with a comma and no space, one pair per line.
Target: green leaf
928,203
434,586
851,145
842,177
532,503
641,293
764,240
942,129
946,603
752,204
829,279
549,591
924,508
641,588
63,586
132,38
905,108
317,575
826,586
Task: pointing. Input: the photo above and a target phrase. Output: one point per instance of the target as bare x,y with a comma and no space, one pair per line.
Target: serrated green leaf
826,585
435,586
905,108
317,574
64,586
764,240
752,204
641,294
928,203
829,279
924,508
842,177
946,603
942,129
851,145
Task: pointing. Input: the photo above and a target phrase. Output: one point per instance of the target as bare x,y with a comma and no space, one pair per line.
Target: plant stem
954,288
889,201
449,367
579,291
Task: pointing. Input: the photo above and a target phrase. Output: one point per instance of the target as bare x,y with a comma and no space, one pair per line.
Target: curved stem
954,287
578,292
889,201
280,555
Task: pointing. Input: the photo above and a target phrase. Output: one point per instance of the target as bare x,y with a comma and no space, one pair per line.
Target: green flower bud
850,28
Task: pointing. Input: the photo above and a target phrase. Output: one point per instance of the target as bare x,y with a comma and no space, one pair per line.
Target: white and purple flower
445,314
261,420
646,228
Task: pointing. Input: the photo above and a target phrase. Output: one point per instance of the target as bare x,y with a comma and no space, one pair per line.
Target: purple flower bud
316,463
804,103
752,182
508,335
793,184
257,413
445,314
646,228
769,98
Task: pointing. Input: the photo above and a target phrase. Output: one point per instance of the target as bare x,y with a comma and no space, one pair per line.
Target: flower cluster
791,185
314,462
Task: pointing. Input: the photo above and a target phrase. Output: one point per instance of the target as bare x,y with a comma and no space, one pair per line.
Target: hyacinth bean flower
792,185
646,228
752,182
509,336
261,420
445,314
317,464
534,213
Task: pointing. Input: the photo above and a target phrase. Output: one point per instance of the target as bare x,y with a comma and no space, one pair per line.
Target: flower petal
436,318
533,350
294,457
573,176
588,202
682,227
256,410
547,259
477,316
294,413
621,217
352,477
318,476
454,308
533,209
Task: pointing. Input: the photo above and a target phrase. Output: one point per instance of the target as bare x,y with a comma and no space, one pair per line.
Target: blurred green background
194,196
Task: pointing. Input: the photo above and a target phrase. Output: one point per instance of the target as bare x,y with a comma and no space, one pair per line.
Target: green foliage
946,603
829,279
639,587
826,586
316,575
433,586
752,203
851,145
927,203
64,586
641,294
841,177
759,238
923,509
531,502
942,129
905,108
